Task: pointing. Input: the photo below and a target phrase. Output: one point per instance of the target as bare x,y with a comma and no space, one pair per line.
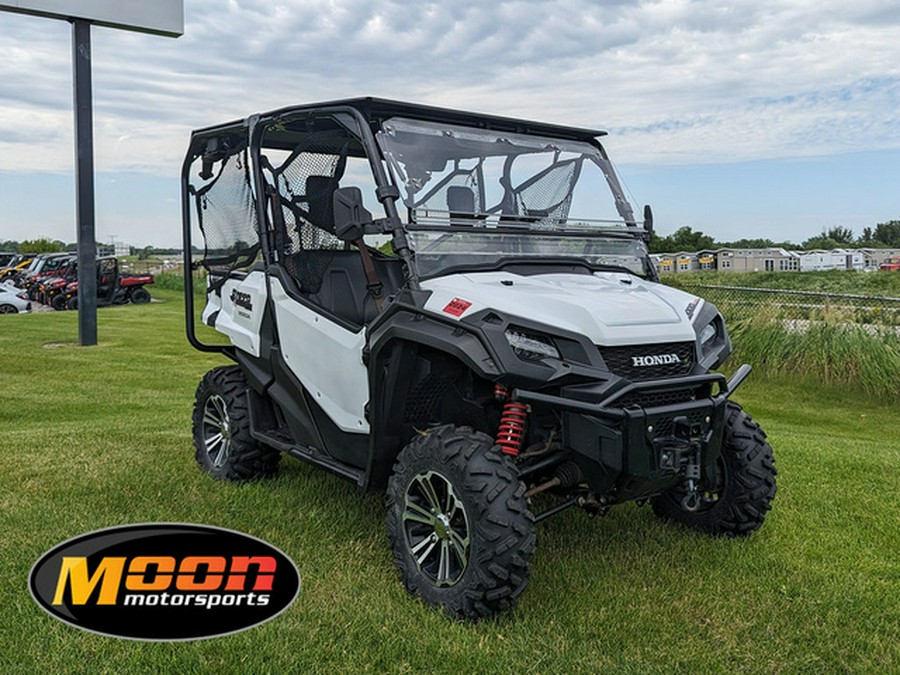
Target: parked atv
45,288
25,268
42,267
113,288
50,288
515,356
15,266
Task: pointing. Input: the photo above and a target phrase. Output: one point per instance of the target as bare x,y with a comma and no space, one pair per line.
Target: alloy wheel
216,430
437,528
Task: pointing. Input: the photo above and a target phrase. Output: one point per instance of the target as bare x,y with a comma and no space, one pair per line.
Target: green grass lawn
100,436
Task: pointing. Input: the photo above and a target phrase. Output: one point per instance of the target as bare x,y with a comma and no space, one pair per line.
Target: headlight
712,337
531,347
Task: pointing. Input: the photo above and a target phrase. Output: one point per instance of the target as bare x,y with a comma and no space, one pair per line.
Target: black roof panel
376,110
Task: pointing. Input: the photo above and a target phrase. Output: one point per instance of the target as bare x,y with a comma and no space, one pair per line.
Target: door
326,357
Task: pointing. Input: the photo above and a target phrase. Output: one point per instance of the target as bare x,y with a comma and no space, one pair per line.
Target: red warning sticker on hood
456,307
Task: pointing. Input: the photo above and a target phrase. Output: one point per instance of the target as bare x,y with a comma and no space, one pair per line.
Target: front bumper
628,446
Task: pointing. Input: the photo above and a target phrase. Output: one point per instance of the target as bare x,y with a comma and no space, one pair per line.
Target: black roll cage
361,117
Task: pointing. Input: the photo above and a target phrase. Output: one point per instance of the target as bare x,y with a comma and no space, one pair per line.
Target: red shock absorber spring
512,427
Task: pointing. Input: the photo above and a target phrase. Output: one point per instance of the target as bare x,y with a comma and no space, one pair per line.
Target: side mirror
648,219
350,216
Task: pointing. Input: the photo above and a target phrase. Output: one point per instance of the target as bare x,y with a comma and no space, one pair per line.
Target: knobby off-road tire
139,296
59,302
221,427
458,523
745,477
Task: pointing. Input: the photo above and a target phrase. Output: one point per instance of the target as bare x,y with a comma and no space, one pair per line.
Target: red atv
50,288
890,265
51,265
112,288
45,288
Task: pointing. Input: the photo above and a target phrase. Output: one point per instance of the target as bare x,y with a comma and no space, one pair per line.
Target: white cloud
674,80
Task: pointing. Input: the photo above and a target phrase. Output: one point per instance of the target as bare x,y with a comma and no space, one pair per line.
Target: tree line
44,245
883,235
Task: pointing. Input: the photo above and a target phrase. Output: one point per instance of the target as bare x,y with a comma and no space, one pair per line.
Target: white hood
609,308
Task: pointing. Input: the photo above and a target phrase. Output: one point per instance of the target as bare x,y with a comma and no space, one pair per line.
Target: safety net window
223,205
545,197
300,182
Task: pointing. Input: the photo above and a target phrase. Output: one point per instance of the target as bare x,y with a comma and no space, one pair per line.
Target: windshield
475,197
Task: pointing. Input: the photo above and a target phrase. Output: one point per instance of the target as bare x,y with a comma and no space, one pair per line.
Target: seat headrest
320,201
460,200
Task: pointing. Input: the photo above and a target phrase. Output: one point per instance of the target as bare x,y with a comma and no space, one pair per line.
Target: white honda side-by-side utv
512,355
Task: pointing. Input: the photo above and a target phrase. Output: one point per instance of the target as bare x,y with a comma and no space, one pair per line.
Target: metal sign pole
84,182
159,17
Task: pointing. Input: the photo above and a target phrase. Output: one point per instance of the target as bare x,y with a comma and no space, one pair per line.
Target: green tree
42,245
888,233
867,237
833,237
821,241
842,235
683,239
749,243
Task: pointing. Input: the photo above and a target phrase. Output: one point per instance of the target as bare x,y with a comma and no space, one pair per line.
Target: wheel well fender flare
394,347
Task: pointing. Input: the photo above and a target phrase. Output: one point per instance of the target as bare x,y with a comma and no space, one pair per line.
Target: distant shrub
170,281
832,281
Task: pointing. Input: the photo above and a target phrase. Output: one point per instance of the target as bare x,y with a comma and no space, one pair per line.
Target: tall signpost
159,17
84,182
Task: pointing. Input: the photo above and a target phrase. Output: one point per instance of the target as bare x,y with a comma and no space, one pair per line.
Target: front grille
665,427
655,399
649,362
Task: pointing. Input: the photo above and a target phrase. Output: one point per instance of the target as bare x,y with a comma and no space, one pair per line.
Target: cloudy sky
769,118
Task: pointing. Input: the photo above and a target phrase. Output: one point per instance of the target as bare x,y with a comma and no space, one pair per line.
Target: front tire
458,523
224,446
745,484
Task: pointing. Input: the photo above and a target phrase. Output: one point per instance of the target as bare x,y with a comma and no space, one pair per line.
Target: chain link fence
153,266
735,302
739,302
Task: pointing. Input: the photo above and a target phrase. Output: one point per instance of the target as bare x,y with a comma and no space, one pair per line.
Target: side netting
301,190
225,210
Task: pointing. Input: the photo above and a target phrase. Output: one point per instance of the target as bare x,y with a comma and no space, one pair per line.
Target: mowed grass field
100,436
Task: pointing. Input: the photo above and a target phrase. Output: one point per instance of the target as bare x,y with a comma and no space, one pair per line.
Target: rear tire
8,309
58,303
140,295
458,523
221,428
72,303
745,476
